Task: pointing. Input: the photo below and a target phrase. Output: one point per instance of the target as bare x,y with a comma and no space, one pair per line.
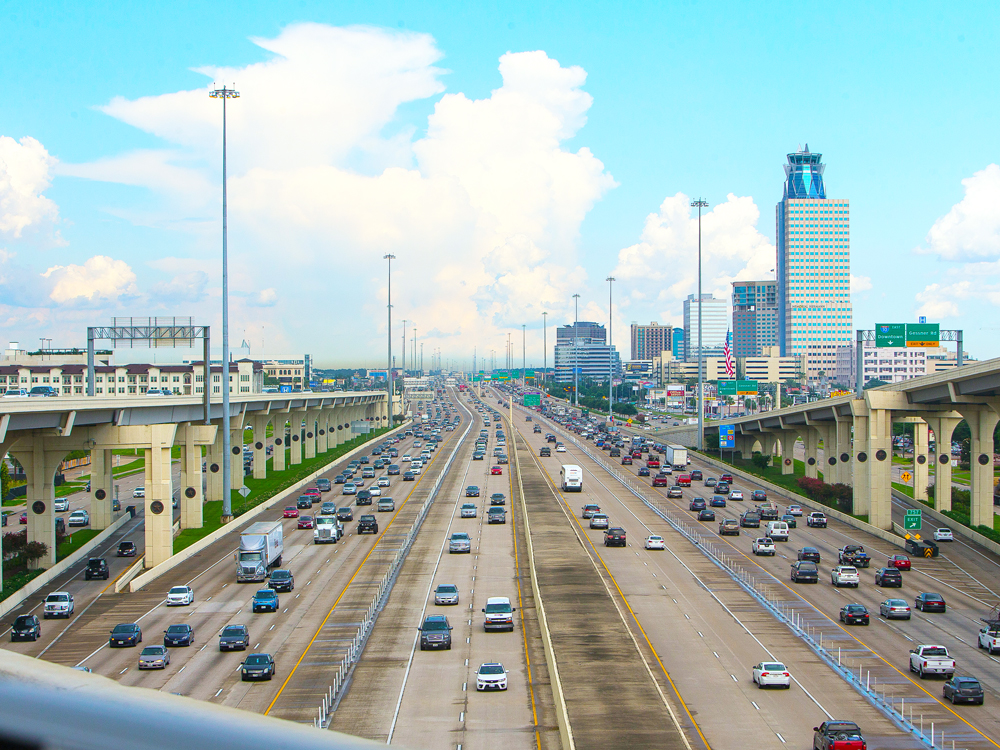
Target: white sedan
655,542
383,482
845,575
180,596
943,535
405,459
771,673
560,449
491,676
375,491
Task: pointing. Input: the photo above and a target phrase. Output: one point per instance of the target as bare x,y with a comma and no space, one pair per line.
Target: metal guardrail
891,707
342,676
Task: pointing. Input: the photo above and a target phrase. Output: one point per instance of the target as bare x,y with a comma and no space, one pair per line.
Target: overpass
857,437
40,432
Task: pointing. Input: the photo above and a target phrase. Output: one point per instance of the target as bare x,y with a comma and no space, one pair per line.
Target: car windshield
179,590
257,659
264,594
153,651
435,625
23,621
495,608
280,575
774,666
447,589
967,683
123,629
935,651
57,598
933,598
849,571
232,630
896,603
491,669
855,608
178,629
807,566
460,537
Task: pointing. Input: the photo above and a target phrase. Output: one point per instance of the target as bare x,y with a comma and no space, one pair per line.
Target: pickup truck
989,636
926,660
838,735
816,519
853,554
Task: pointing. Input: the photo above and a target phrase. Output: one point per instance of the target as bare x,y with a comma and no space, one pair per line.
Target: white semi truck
327,530
260,549
571,478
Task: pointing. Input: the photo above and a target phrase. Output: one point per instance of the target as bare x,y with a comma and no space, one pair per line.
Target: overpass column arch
295,434
880,468
982,421
323,430
842,449
810,440
102,487
159,493
788,438
921,459
311,431
259,423
213,467
280,434
236,471
191,437
943,426
40,463
861,459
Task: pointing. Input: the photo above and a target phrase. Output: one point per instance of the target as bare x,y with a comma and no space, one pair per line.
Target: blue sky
691,98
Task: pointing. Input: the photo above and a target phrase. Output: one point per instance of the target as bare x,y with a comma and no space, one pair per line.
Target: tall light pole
545,347
576,349
611,366
403,359
227,480
388,339
700,204
524,383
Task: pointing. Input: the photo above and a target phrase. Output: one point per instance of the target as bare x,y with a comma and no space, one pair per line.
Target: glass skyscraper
755,317
813,266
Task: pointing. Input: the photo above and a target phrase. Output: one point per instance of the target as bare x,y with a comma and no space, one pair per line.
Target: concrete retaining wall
11,603
850,520
171,562
942,520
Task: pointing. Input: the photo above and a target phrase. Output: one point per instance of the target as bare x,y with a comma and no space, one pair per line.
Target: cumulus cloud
860,284
25,168
99,279
183,287
970,231
483,212
662,269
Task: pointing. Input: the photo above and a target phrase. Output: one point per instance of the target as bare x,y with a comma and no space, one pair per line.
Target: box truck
571,478
677,456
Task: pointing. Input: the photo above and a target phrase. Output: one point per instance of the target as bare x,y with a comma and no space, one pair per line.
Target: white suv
58,604
845,575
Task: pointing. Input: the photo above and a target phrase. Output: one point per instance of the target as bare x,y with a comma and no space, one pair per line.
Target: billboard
737,387
675,390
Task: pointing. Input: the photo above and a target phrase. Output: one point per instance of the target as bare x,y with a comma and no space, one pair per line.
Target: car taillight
786,674
763,674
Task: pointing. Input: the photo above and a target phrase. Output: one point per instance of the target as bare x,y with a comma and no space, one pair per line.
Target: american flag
728,353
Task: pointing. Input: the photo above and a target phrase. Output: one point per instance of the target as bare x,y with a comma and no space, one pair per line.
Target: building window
131,390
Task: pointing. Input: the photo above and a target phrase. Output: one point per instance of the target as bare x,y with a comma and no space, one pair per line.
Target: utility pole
576,349
611,365
700,204
227,480
388,372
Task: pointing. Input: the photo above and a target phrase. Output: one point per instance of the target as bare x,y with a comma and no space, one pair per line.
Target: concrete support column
828,464
159,494
810,438
40,468
102,488
295,436
981,423
943,428
213,465
312,428
280,443
192,498
921,459
860,464
259,426
236,473
842,444
323,431
788,451
880,468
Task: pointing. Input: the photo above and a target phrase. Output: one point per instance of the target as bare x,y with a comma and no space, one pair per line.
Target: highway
881,648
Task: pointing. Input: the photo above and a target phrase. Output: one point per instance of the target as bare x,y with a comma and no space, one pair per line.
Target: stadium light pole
700,204
388,370
576,348
524,383
611,366
227,501
545,348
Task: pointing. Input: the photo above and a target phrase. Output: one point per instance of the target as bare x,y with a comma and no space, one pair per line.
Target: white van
777,530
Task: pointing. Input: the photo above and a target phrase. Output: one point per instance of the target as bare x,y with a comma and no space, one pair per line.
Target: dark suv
435,632
282,580
367,524
805,571
127,549
97,567
888,577
750,519
614,537
25,628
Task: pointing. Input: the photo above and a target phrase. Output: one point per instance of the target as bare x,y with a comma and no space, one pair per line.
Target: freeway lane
403,695
706,631
882,648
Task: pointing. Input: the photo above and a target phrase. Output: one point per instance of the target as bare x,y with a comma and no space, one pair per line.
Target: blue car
718,501
265,600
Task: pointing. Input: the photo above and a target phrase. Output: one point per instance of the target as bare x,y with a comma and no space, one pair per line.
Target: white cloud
970,231
99,279
24,175
860,284
264,298
183,287
662,267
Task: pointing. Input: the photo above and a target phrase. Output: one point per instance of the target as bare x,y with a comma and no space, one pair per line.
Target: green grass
15,581
211,521
73,542
68,488
904,488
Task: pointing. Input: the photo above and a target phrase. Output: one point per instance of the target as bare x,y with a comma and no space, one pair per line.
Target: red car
637,453
626,460
899,562
728,478
659,481
306,522
314,494
653,463
496,470
24,517
684,480
291,511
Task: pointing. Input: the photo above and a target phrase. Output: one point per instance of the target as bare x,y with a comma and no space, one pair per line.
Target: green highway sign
529,373
501,375
912,520
923,334
532,399
888,335
477,377
737,387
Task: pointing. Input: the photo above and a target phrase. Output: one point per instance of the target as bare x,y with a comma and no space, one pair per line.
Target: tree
875,383
4,479
761,461
34,551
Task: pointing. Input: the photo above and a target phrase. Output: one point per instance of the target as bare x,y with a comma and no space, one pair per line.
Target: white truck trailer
260,549
677,456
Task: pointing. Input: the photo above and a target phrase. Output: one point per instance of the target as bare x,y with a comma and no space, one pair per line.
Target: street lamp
388,360
700,204
545,347
524,383
611,367
576,348
227,500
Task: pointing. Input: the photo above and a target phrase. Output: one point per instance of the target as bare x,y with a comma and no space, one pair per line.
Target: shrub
761,461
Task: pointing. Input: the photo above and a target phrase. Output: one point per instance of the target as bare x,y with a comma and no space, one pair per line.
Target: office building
892,365
678,343
581,332
755,317
770,367
649,340
592,360
715,326
813,267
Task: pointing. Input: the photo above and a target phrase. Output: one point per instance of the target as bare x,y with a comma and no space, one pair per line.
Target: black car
498,498
178,635
340,479
234,638
615,537
435,632
758,496
643,471
257,667
367,524
409,476
888,577
805,571
963,690
696,475
364,497
282,580
930,603
127,549
722,488
809,553
97,567
304,502
472,491
25,628
854,614
127,634
706,515
345,514
697,504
